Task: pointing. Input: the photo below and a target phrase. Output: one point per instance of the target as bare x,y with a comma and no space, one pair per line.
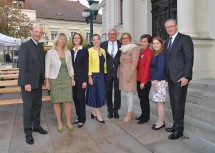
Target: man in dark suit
179,64
80,65
31,77
111,48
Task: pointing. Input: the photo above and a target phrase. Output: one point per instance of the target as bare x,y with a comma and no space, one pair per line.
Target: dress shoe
29,139
116,114
102,121
170,129
138,118
175,135
155,128
80,125
40,130
110,114
92,116
153,125
75,122
142,121
71,128
60,130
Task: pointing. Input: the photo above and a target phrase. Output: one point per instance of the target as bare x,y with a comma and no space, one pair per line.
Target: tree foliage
12,21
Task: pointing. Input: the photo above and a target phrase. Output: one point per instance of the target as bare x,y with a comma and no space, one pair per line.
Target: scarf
128,47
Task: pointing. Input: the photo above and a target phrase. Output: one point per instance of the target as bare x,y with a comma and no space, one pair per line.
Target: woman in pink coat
127,70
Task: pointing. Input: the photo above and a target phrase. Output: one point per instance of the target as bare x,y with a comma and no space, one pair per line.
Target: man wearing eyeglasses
111,48
179,64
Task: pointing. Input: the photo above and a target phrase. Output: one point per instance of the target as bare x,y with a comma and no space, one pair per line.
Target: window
88,36
53,34
73,33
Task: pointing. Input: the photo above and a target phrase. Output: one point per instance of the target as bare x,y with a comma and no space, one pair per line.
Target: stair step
195,126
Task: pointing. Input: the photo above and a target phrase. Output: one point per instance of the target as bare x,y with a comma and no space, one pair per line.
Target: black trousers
32,102
177,100
143,95
112,82
79,100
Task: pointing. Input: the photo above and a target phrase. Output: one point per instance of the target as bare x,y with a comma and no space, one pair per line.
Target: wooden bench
11,87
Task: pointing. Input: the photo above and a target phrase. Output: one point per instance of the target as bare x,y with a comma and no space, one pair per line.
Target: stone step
200,129
203,85
199,112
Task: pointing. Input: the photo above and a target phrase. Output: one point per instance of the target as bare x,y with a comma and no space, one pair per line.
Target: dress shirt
110,47
173,37
76,51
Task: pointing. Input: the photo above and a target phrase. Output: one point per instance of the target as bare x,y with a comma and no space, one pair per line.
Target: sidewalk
114,136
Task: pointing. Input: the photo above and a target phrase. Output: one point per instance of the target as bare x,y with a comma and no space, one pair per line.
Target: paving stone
122,143
170,146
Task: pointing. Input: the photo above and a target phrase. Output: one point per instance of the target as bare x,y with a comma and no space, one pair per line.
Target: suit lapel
72,52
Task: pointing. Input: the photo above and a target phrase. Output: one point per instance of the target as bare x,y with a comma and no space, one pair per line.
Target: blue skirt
96,96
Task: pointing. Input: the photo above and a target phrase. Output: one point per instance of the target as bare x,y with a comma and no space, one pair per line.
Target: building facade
57,16
195,18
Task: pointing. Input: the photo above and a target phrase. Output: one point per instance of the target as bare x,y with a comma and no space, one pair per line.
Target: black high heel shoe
102,121
93,116
162,126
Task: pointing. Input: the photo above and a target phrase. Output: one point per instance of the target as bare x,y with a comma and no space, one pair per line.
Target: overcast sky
84,2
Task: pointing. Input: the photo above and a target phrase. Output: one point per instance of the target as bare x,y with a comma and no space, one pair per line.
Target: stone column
128,16
187,17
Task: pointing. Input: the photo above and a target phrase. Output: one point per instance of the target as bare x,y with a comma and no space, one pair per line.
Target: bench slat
19,100
8,82
13,90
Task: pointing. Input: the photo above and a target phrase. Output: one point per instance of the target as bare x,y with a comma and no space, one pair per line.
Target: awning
9,41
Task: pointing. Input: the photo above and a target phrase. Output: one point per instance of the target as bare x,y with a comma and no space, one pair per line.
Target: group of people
89,76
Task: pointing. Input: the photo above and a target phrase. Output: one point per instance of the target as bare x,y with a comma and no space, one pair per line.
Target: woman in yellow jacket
97,69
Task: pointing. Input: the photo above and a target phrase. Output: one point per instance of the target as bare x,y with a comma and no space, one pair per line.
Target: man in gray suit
179,64
31,77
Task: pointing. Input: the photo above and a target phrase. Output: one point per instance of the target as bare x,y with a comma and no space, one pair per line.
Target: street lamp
90,15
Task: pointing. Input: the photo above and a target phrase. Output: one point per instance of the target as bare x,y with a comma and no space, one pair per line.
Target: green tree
12,21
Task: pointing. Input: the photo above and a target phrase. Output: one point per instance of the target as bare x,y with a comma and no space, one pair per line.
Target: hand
184,81
28,87
47,85
73,82
155,85
84,85
90,80
142,85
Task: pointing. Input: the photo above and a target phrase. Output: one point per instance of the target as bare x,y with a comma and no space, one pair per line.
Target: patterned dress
61,88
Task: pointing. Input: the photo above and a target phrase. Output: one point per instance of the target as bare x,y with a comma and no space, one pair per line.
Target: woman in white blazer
59,75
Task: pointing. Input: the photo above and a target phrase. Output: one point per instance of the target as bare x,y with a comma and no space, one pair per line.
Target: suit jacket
53,64
158,66
111,62
31,64
143,67
179,62
80,64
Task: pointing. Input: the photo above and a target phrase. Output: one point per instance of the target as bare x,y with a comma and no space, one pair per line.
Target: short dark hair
81,38
147,36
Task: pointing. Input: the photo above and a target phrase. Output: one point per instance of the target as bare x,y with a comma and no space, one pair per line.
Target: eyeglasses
168,27
125,38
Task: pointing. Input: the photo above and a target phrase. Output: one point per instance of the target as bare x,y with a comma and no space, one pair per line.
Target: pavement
114,136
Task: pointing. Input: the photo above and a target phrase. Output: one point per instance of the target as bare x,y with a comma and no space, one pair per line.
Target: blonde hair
128,34
57,39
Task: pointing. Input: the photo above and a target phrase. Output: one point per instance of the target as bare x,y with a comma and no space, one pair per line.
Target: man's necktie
112,50
169,44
